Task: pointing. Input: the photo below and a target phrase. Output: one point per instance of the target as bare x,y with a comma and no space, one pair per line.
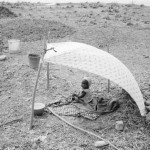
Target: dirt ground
124,28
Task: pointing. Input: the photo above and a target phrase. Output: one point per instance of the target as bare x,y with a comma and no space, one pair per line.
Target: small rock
147,103
16,146
147,108
141,128
2,57
32,131
34,146
40,139
119,125
100,144
148,117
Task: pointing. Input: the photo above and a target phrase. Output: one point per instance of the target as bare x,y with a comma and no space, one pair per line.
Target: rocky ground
125,29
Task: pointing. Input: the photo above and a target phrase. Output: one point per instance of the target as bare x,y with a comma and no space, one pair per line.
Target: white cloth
99,62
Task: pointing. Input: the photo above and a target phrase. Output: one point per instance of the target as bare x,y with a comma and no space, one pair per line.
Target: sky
145,2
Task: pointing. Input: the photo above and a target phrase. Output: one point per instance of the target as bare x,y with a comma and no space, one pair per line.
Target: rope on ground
15,120
81,128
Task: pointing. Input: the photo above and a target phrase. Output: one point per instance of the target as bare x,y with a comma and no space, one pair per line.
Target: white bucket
14,46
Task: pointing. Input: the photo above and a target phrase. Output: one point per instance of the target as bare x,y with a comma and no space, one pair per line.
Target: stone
119,125
147,103
2,57
147,108
100,144
148,117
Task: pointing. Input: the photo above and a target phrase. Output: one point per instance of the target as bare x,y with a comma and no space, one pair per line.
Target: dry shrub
5,12
142,5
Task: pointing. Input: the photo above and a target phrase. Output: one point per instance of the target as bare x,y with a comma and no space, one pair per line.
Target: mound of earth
5,12
35,29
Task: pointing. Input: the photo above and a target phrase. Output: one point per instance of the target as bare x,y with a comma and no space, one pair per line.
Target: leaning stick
108,43
15,120
35,87
91,133
33,98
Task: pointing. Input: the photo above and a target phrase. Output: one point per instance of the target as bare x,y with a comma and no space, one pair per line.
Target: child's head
86,83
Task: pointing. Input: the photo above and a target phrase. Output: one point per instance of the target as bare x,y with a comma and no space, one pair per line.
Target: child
85,96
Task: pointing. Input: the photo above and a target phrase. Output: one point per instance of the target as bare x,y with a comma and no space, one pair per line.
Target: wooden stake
108,80
48,76
48,64
49,37
108,86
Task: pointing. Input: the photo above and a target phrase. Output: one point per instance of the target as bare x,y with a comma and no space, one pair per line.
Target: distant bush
95,5
107,18
147,22
142,5
57,4
128,5
129,24
69,6
114,6
19,14
84,5
5,12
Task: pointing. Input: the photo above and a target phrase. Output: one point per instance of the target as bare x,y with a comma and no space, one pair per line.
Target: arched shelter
91,59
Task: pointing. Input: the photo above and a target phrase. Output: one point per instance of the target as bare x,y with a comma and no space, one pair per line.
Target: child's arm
82,94
79,96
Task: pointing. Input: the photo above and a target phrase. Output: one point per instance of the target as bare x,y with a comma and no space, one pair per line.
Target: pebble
148,117
119,125
34,146
100,144
147,103
147,108
2,57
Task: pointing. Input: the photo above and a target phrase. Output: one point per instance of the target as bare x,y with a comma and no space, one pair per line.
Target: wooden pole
108,86
48,76
132,2
108,79
48,63
48,36
108,42
35,87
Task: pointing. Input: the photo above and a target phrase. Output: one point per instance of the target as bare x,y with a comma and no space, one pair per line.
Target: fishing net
66,106
71,110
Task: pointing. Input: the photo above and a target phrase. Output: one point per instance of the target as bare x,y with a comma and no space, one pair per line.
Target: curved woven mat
73,110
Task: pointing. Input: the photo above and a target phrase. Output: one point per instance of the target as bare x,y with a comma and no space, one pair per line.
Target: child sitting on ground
85,96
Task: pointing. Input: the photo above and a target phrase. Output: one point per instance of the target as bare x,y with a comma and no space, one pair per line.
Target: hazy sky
145,2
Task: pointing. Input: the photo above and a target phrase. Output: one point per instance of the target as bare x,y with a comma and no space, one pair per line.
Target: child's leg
93,104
